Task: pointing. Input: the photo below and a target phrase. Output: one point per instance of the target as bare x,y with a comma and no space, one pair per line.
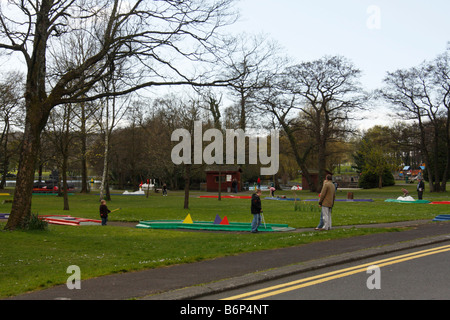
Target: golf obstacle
341,200
442,217
408,201
135,193
217,225
4,216
226,197
281,199
69,220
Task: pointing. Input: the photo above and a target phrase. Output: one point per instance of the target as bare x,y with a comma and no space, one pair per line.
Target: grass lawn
34,260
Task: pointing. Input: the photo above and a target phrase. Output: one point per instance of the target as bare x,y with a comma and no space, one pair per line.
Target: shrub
369,180
34,223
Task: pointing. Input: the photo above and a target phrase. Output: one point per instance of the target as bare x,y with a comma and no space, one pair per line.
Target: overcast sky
376,35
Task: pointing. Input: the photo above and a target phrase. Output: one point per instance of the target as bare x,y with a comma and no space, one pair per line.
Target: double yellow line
302,283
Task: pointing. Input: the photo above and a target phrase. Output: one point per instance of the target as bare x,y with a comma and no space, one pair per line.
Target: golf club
264,220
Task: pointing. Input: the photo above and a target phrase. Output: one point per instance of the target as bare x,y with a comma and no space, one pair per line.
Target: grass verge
32,260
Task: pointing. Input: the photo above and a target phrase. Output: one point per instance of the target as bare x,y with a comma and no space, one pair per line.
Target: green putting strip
403,201
202,225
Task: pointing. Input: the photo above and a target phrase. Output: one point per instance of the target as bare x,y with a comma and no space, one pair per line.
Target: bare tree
182,113
84,122
414,95
10,103
251,61
330,93
59,134
281,105
154,39
212,105
441,79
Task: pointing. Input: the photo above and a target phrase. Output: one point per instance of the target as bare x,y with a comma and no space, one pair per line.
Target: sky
376,35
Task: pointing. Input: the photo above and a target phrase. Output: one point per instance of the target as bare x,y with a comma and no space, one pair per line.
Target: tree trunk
298,158
437,183
108,193
322,136
447,142
243,116
5,164
220,183
187,178
84,177
37,114
64,186
21,207
65,153
105,167
423,149
321,164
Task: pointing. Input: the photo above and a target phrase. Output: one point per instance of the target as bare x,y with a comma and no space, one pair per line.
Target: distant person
272,191
405,192
326,202
420,188
259,183
234,186
164,191
104,211
256,210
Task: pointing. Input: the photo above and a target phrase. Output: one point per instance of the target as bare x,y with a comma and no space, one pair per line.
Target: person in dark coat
256,210
420,188
104,211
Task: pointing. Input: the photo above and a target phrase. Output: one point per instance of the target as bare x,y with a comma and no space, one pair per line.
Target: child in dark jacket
256,210
104,212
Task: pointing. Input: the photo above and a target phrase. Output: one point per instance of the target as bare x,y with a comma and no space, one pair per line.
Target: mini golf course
226,197
282,199
408,201
4,216
69,220
217,225
336,200
442,217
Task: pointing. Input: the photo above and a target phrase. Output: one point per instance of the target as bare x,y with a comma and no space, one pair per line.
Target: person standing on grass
420,188
104,211
326,202
256,210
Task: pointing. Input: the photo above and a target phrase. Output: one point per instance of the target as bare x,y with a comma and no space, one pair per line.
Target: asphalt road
419,274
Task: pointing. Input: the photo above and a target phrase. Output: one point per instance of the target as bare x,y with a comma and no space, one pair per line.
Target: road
422,273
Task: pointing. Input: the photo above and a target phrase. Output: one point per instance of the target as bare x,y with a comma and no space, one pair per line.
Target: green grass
35,260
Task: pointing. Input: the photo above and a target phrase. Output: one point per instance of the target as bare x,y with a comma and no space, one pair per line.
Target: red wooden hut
228,174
